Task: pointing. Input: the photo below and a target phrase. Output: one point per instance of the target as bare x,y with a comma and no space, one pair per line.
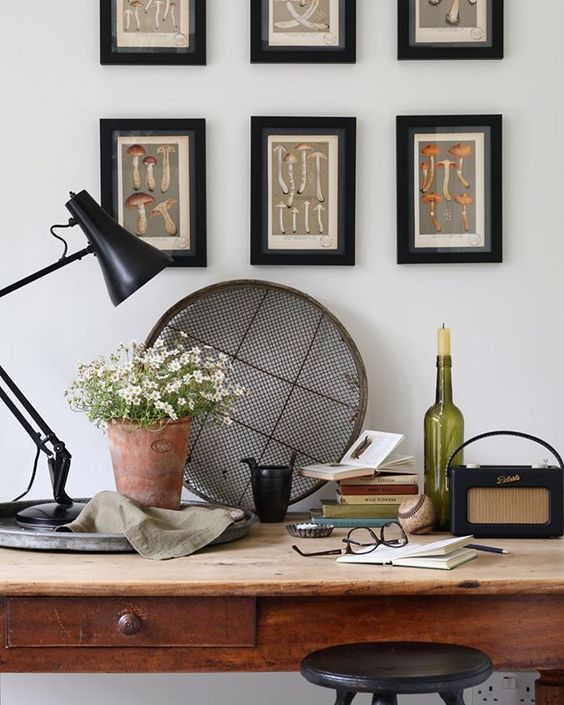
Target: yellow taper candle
444,340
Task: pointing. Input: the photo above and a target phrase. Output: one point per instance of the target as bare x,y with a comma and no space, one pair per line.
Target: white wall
507,319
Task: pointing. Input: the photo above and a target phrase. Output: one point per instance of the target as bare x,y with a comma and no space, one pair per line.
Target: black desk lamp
127,264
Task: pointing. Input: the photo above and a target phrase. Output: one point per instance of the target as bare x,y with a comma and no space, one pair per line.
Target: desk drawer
168,621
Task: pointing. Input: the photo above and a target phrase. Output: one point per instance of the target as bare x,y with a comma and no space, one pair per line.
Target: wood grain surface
516,632
264,564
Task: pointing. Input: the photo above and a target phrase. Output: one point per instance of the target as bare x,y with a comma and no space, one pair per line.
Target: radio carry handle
518,434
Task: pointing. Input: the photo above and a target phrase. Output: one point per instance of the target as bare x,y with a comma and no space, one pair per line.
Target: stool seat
397,667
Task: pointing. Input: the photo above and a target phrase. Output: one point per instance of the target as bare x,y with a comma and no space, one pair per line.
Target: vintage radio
506,501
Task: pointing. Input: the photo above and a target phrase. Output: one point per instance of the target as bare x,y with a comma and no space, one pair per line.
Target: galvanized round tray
14,536
306,382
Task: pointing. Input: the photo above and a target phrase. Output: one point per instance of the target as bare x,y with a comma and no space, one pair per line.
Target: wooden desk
255,605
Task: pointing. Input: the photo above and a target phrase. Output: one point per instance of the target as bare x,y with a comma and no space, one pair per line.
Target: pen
488,549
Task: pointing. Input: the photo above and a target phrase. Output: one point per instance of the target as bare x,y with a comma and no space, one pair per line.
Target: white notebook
444,555
448,562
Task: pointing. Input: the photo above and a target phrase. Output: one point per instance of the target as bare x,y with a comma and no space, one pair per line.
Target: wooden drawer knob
129,624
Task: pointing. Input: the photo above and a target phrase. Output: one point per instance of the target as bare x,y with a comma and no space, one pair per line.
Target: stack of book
372,482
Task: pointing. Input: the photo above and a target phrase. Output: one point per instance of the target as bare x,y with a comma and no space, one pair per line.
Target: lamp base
48,515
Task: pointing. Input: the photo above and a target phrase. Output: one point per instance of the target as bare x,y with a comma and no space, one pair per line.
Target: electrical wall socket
505,689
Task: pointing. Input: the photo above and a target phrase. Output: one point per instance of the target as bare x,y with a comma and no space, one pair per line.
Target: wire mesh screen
305,382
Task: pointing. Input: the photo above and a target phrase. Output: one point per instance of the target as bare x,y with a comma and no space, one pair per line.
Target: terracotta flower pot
149,462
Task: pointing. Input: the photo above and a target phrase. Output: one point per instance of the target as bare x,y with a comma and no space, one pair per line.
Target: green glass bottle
444,432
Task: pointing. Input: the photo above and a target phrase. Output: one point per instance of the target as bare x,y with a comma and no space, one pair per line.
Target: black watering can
272,485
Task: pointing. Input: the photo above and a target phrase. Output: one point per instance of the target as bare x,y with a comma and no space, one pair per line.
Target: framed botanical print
450,29
449,190
153,32
287,31
154,183
303,190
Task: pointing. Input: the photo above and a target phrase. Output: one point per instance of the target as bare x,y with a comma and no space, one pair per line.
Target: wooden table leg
549,688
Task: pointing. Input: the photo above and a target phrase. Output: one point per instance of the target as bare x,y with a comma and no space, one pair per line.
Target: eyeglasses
365,540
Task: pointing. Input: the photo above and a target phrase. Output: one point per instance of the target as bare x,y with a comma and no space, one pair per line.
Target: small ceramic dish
306,530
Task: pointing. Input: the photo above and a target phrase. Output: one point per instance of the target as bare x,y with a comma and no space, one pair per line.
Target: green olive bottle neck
444,380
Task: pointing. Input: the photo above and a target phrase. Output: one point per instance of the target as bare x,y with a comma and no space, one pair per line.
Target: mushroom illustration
464,200
424,173
148,5
167,9
461,151
291,24
158,5
162,209
453,15
139,201
301,18
150,162
307,205
165,150
290,159
431,151
280,150
447,165
303,149
281,209
135,151
128,15
317,157
294,212
136,4
172,14
432,199
318,209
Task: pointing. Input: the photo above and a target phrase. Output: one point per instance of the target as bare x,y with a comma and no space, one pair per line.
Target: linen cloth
154,533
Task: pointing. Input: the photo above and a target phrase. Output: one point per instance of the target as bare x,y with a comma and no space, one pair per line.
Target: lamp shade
126,261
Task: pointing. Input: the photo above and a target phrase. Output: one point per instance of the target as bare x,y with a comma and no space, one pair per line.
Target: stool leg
456,697
344,697
384,699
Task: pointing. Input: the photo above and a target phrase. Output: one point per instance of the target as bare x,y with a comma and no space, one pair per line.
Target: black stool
395,668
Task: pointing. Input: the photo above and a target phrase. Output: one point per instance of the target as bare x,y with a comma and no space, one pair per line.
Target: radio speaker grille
508,505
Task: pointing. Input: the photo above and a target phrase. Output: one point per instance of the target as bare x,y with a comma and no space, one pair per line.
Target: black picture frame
193,54
343,50
186,178
467,42
453,231
327,224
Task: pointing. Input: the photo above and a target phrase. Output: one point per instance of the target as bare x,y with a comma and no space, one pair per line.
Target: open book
443,555
371,452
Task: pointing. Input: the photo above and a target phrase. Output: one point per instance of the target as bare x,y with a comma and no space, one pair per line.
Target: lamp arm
47,441
38,438
59,458
24,401
59,467
46,270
